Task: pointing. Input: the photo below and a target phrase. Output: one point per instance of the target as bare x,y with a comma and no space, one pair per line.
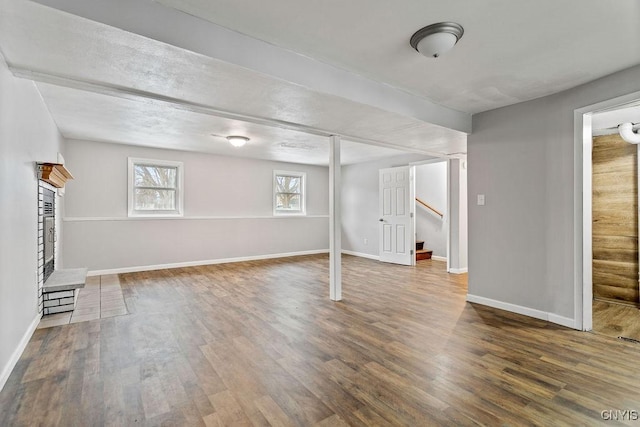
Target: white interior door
397,194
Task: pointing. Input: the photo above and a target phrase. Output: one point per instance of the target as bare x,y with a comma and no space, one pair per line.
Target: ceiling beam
168,25
181,104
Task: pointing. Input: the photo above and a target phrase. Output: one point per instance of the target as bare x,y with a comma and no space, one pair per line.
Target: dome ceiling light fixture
436,39
237,141
628,134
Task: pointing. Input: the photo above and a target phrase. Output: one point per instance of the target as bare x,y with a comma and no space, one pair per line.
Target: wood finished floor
616,319
259,343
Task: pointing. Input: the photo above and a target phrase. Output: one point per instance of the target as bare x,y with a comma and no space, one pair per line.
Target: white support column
457,212
335,221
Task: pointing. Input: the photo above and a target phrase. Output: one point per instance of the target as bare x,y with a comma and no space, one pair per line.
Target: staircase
422,253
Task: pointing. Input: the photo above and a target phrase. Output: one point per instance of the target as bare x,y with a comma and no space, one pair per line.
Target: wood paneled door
397,193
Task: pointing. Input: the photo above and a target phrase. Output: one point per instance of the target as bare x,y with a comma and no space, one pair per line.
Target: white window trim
303,194
178,212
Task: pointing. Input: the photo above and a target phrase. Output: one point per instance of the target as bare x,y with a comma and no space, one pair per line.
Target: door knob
381,220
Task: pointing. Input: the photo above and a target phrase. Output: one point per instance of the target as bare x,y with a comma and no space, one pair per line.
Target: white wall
360,203
431,187
227,211
524,243
27,135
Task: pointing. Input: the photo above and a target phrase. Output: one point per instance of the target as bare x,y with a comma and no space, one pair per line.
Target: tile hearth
61,290
100,298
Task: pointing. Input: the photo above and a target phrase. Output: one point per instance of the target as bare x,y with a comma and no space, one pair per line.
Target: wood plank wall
615,219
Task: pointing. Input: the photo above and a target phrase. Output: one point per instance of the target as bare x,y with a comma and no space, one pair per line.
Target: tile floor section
100,298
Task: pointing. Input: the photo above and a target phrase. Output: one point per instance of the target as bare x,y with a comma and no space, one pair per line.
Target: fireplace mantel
54,173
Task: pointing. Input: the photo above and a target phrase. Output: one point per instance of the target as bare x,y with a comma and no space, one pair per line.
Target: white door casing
396,205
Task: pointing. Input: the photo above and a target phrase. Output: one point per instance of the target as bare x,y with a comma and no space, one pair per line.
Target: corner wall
525,244
228,211
27,135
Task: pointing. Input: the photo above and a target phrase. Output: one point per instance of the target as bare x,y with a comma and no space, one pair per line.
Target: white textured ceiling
97,117
511,51
137,72
77,54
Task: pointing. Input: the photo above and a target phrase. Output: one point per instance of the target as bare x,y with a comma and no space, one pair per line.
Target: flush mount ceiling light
237,141
436,39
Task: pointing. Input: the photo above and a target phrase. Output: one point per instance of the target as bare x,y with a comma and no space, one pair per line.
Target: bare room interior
291,213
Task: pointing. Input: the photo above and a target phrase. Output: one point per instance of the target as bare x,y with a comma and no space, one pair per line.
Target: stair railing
431,208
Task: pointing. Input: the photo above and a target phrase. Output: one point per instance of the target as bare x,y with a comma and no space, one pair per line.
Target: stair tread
422,254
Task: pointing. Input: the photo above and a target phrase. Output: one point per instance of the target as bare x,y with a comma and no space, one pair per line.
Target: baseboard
563,321
361,255
8,368
140,268
526,311
458,270
377,258
183,218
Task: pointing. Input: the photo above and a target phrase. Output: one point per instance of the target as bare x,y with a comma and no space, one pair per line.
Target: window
289,193
155,188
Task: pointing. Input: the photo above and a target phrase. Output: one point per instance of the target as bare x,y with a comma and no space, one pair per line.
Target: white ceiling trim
176,28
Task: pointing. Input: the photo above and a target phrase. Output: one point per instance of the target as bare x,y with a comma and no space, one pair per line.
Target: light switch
480,199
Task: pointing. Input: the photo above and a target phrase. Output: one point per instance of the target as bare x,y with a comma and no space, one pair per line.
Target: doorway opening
615,267
431,208
607,212
428,212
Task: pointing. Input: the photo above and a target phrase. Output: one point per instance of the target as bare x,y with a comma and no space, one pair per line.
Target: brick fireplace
57,288
47,236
